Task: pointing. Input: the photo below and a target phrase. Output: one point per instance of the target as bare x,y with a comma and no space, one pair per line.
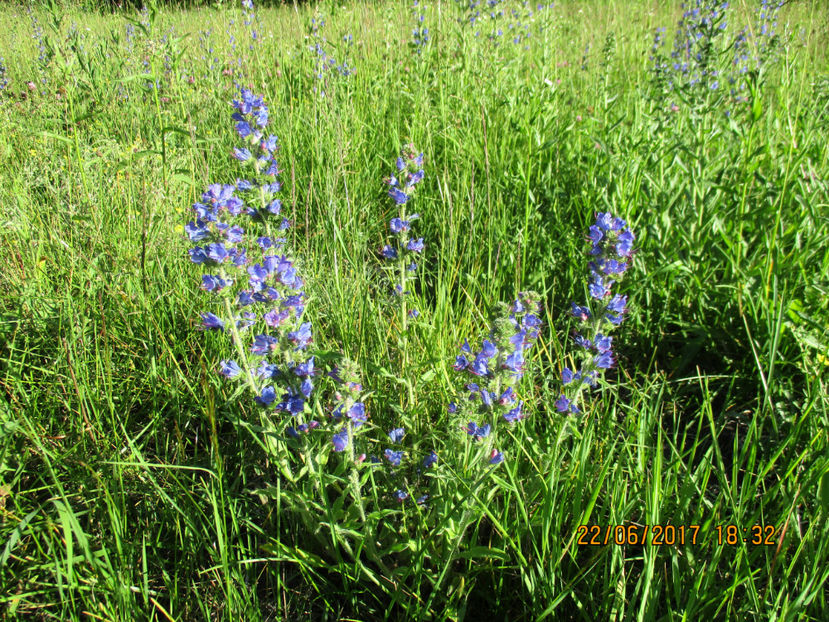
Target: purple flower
340,440
618,304
415,178
393,456
496,457
486,398
515,414
305,369
389,252
416,245
507,397
197,231
598,289
430,459
398,195
515,362
604,360
562,404
397,225
274,207
274,318
604,220
229,369
357,414
625,244
267,370
241,154
602,343
578,312
198,255
581,341
397,435
401,496
302,337
292,403
211,322
263,344
477,432
212,283
267,396
479,366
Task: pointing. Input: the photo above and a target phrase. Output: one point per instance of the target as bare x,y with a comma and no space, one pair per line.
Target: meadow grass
135,482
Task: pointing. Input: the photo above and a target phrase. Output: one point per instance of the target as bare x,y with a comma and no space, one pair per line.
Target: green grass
134,482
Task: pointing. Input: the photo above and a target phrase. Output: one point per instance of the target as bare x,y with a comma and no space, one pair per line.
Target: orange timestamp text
622,535
673,535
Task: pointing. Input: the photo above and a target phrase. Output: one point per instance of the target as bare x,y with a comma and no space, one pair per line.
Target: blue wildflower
267,397
340,440
477,432
229,369
212,322
395,457
496,457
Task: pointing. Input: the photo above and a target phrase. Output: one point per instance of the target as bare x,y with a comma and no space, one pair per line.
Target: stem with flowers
611,249
401,186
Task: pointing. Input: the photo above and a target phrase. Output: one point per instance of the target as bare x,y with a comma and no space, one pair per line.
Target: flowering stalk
409,173
266,296
325,65
612,247
350,409
497,368
420,33
405,251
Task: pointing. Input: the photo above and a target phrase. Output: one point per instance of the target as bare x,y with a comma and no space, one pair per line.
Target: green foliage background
126,471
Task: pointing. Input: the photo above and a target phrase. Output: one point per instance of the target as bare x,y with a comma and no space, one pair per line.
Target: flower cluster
495,370
324,63
401,187
350,411
250,22
420,33
501,20
694,49
611,249
266,288
348,418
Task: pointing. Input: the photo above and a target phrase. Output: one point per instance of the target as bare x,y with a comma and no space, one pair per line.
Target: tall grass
134,483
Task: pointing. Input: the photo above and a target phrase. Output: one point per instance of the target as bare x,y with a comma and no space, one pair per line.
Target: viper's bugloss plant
349,413
611,249
406,248
257,286
420,33
250,22
4,81
326,65
493,372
